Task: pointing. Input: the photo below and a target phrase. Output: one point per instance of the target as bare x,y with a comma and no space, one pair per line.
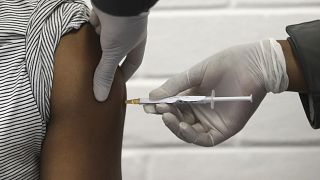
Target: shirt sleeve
124,7
305,42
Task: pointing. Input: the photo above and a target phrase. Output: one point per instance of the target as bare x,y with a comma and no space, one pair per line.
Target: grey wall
277,143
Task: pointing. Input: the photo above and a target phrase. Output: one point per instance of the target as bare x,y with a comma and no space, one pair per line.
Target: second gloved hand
120,37
256,68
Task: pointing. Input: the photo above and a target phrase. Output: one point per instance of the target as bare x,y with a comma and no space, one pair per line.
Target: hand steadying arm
122,25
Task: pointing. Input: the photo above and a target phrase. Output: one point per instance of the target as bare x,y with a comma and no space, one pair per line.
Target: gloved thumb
180,82
103,77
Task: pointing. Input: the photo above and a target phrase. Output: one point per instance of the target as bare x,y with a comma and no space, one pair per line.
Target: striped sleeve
50,20
30,31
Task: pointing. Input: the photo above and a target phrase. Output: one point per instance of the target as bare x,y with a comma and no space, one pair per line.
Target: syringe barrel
234,98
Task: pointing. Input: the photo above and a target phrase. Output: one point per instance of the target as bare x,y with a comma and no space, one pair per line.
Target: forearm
296,80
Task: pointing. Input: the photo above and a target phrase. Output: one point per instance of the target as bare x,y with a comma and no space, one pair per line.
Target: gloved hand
119,37
256,68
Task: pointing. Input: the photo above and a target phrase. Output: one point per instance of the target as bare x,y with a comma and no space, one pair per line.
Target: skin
297,82
84,136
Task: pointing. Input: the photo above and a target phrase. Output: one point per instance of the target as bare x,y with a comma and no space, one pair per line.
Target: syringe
189,99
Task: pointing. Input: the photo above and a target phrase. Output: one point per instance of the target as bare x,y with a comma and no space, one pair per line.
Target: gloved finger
166,108
103,77
180,82
199,127
157,108
150,109
94,21
133,60
187,114
195,137
98,29
172,123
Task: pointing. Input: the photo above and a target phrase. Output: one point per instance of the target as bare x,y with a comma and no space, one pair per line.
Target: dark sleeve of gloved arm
124,7
305,42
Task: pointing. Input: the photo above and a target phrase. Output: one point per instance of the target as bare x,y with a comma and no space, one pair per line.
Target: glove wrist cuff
274,68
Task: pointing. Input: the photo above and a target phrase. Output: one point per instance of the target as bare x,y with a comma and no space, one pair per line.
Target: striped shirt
30,31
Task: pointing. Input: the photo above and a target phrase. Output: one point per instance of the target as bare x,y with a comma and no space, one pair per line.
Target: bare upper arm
84,136
76,58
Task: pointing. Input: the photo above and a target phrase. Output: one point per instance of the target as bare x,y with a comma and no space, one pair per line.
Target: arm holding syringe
251,69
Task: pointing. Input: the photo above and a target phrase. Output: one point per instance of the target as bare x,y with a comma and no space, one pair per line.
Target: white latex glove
256,68
119,37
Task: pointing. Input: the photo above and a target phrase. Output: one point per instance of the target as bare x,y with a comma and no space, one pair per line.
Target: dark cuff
305,42
124,7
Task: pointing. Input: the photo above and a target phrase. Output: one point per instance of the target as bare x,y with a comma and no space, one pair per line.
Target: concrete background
277,142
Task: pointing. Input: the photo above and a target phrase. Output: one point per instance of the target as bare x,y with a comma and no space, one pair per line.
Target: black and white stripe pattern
30,31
